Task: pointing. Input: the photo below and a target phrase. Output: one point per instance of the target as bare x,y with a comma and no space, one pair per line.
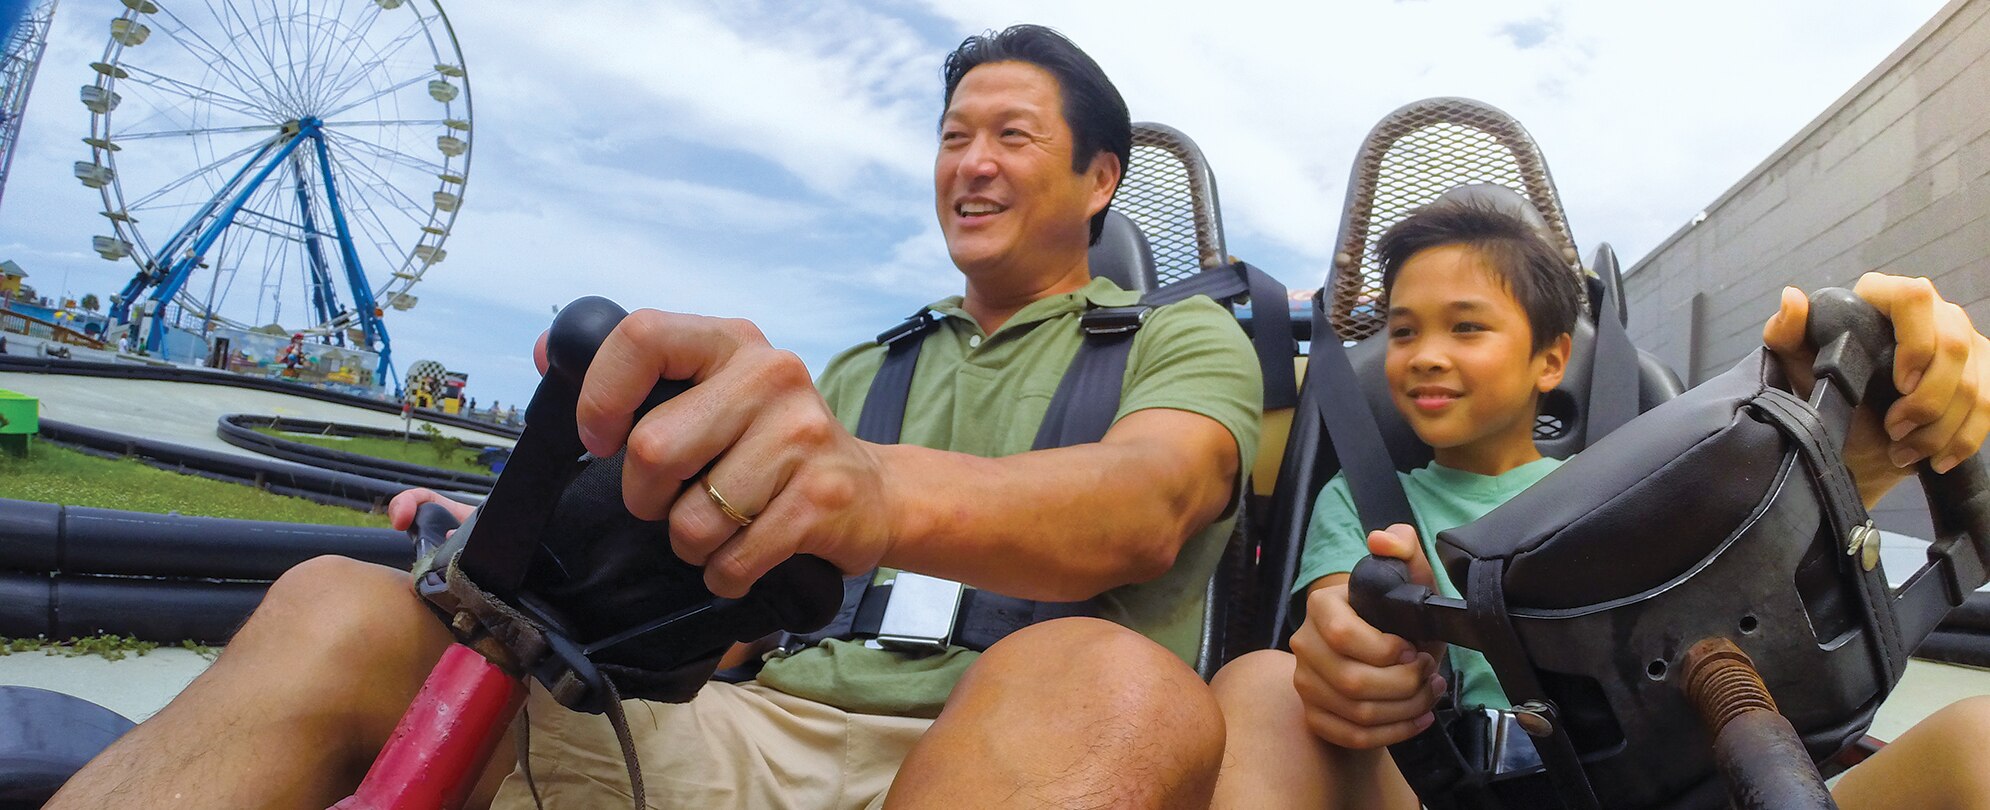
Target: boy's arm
1941,367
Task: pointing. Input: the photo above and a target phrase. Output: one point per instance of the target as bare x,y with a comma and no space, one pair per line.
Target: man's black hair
1092,105
1526,262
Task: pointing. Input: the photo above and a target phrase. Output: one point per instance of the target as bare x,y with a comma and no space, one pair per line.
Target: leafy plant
445,447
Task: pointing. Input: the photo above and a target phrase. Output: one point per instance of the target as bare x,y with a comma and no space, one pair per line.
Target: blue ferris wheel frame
200,233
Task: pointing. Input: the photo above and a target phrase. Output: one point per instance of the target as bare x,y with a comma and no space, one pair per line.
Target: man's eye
952,137
1014,133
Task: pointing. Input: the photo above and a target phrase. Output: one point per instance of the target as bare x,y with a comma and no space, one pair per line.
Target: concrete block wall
1894,176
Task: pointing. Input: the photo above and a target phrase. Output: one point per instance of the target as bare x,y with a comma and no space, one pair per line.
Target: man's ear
1103,173
1555,363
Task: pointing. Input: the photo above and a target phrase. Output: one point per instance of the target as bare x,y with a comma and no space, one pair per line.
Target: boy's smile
1460,363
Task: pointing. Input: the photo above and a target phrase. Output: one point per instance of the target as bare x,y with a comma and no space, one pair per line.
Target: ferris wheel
296,163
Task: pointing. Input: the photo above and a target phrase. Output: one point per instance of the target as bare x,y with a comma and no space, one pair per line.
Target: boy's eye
1468,326
1396,332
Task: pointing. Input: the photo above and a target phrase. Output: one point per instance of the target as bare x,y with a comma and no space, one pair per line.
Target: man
1076,711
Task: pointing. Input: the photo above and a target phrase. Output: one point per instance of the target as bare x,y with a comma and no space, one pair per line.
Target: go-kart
1667,641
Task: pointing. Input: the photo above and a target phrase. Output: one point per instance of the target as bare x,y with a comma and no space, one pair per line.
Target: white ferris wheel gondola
297,162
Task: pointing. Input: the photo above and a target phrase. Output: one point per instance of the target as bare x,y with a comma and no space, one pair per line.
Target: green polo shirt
986,395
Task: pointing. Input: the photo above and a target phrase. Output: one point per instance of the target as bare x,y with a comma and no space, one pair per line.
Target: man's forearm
1056,525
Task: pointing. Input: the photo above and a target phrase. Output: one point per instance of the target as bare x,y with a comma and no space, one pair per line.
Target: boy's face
1460,362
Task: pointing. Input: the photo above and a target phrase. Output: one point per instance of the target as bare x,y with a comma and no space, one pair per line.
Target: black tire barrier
1949,646
1972,616
167,611
45,737
277,476
84,368
46,538
240,430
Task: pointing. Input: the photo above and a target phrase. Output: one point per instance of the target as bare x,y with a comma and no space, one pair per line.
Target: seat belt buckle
920,615
1113,320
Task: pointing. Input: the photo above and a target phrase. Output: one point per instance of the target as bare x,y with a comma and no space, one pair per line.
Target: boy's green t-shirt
1441,499
986,395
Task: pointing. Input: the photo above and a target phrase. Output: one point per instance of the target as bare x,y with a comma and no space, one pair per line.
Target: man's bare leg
1942,762
293,712
1272,760
1069,713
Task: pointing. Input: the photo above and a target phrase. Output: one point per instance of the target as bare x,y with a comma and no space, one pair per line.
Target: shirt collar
1099,292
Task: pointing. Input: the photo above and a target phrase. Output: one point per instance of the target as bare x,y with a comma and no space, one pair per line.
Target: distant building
1894,176
10,279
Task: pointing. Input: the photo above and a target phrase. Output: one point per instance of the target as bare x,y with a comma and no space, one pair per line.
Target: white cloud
772,160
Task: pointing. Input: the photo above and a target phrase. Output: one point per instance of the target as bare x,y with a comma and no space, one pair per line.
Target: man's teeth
979,209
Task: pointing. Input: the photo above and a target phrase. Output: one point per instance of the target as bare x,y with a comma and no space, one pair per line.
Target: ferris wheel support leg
324,299
156,336
362,292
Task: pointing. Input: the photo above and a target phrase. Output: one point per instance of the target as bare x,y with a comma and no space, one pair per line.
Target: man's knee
1089,668
345,610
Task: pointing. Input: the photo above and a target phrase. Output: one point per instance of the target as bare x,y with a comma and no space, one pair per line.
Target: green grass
59,475
414,451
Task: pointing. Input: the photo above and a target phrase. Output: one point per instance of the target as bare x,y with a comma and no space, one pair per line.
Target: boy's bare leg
1069,713
293,712
1272,760
1942,762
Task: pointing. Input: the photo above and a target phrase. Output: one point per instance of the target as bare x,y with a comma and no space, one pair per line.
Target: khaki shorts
733,745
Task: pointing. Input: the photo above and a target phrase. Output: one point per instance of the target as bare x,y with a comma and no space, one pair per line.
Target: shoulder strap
1271,321
1352,431
883,416
1088,397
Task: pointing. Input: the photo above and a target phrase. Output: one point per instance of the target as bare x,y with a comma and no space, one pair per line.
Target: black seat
1421,152
1122,254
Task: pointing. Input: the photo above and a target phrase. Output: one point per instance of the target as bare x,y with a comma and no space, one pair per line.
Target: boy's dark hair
1530,267
1092,105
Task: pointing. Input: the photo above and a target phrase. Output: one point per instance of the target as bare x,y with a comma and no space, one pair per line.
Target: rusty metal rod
1756,750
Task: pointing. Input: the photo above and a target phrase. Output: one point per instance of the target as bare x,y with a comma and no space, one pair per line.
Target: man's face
1460,361
1003,186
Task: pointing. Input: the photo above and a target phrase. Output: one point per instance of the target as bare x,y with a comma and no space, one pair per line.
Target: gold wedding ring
720,502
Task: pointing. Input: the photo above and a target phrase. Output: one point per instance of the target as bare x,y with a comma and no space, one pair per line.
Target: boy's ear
1555,363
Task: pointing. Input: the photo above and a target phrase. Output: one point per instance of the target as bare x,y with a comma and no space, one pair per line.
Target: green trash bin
20,418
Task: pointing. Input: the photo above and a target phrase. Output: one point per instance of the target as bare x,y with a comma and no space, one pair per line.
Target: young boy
1480,313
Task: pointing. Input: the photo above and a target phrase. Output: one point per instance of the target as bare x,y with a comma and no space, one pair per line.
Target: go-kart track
183,414
186,414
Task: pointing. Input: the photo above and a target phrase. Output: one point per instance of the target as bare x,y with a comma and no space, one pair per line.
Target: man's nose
978,160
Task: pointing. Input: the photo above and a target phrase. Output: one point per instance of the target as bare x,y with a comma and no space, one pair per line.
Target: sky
773,160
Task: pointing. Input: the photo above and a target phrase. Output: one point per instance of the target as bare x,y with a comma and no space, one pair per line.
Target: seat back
1417,154
1123,255
1169,196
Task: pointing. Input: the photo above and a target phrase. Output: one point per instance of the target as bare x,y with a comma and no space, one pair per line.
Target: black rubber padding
45,737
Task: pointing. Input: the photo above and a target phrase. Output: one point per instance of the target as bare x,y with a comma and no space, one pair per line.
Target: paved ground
186,413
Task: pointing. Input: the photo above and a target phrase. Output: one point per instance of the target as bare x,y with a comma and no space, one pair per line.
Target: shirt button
974,341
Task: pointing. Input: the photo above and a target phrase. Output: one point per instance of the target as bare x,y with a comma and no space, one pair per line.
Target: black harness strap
1352,431
884,407
1080,412
1485,603
1271,321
